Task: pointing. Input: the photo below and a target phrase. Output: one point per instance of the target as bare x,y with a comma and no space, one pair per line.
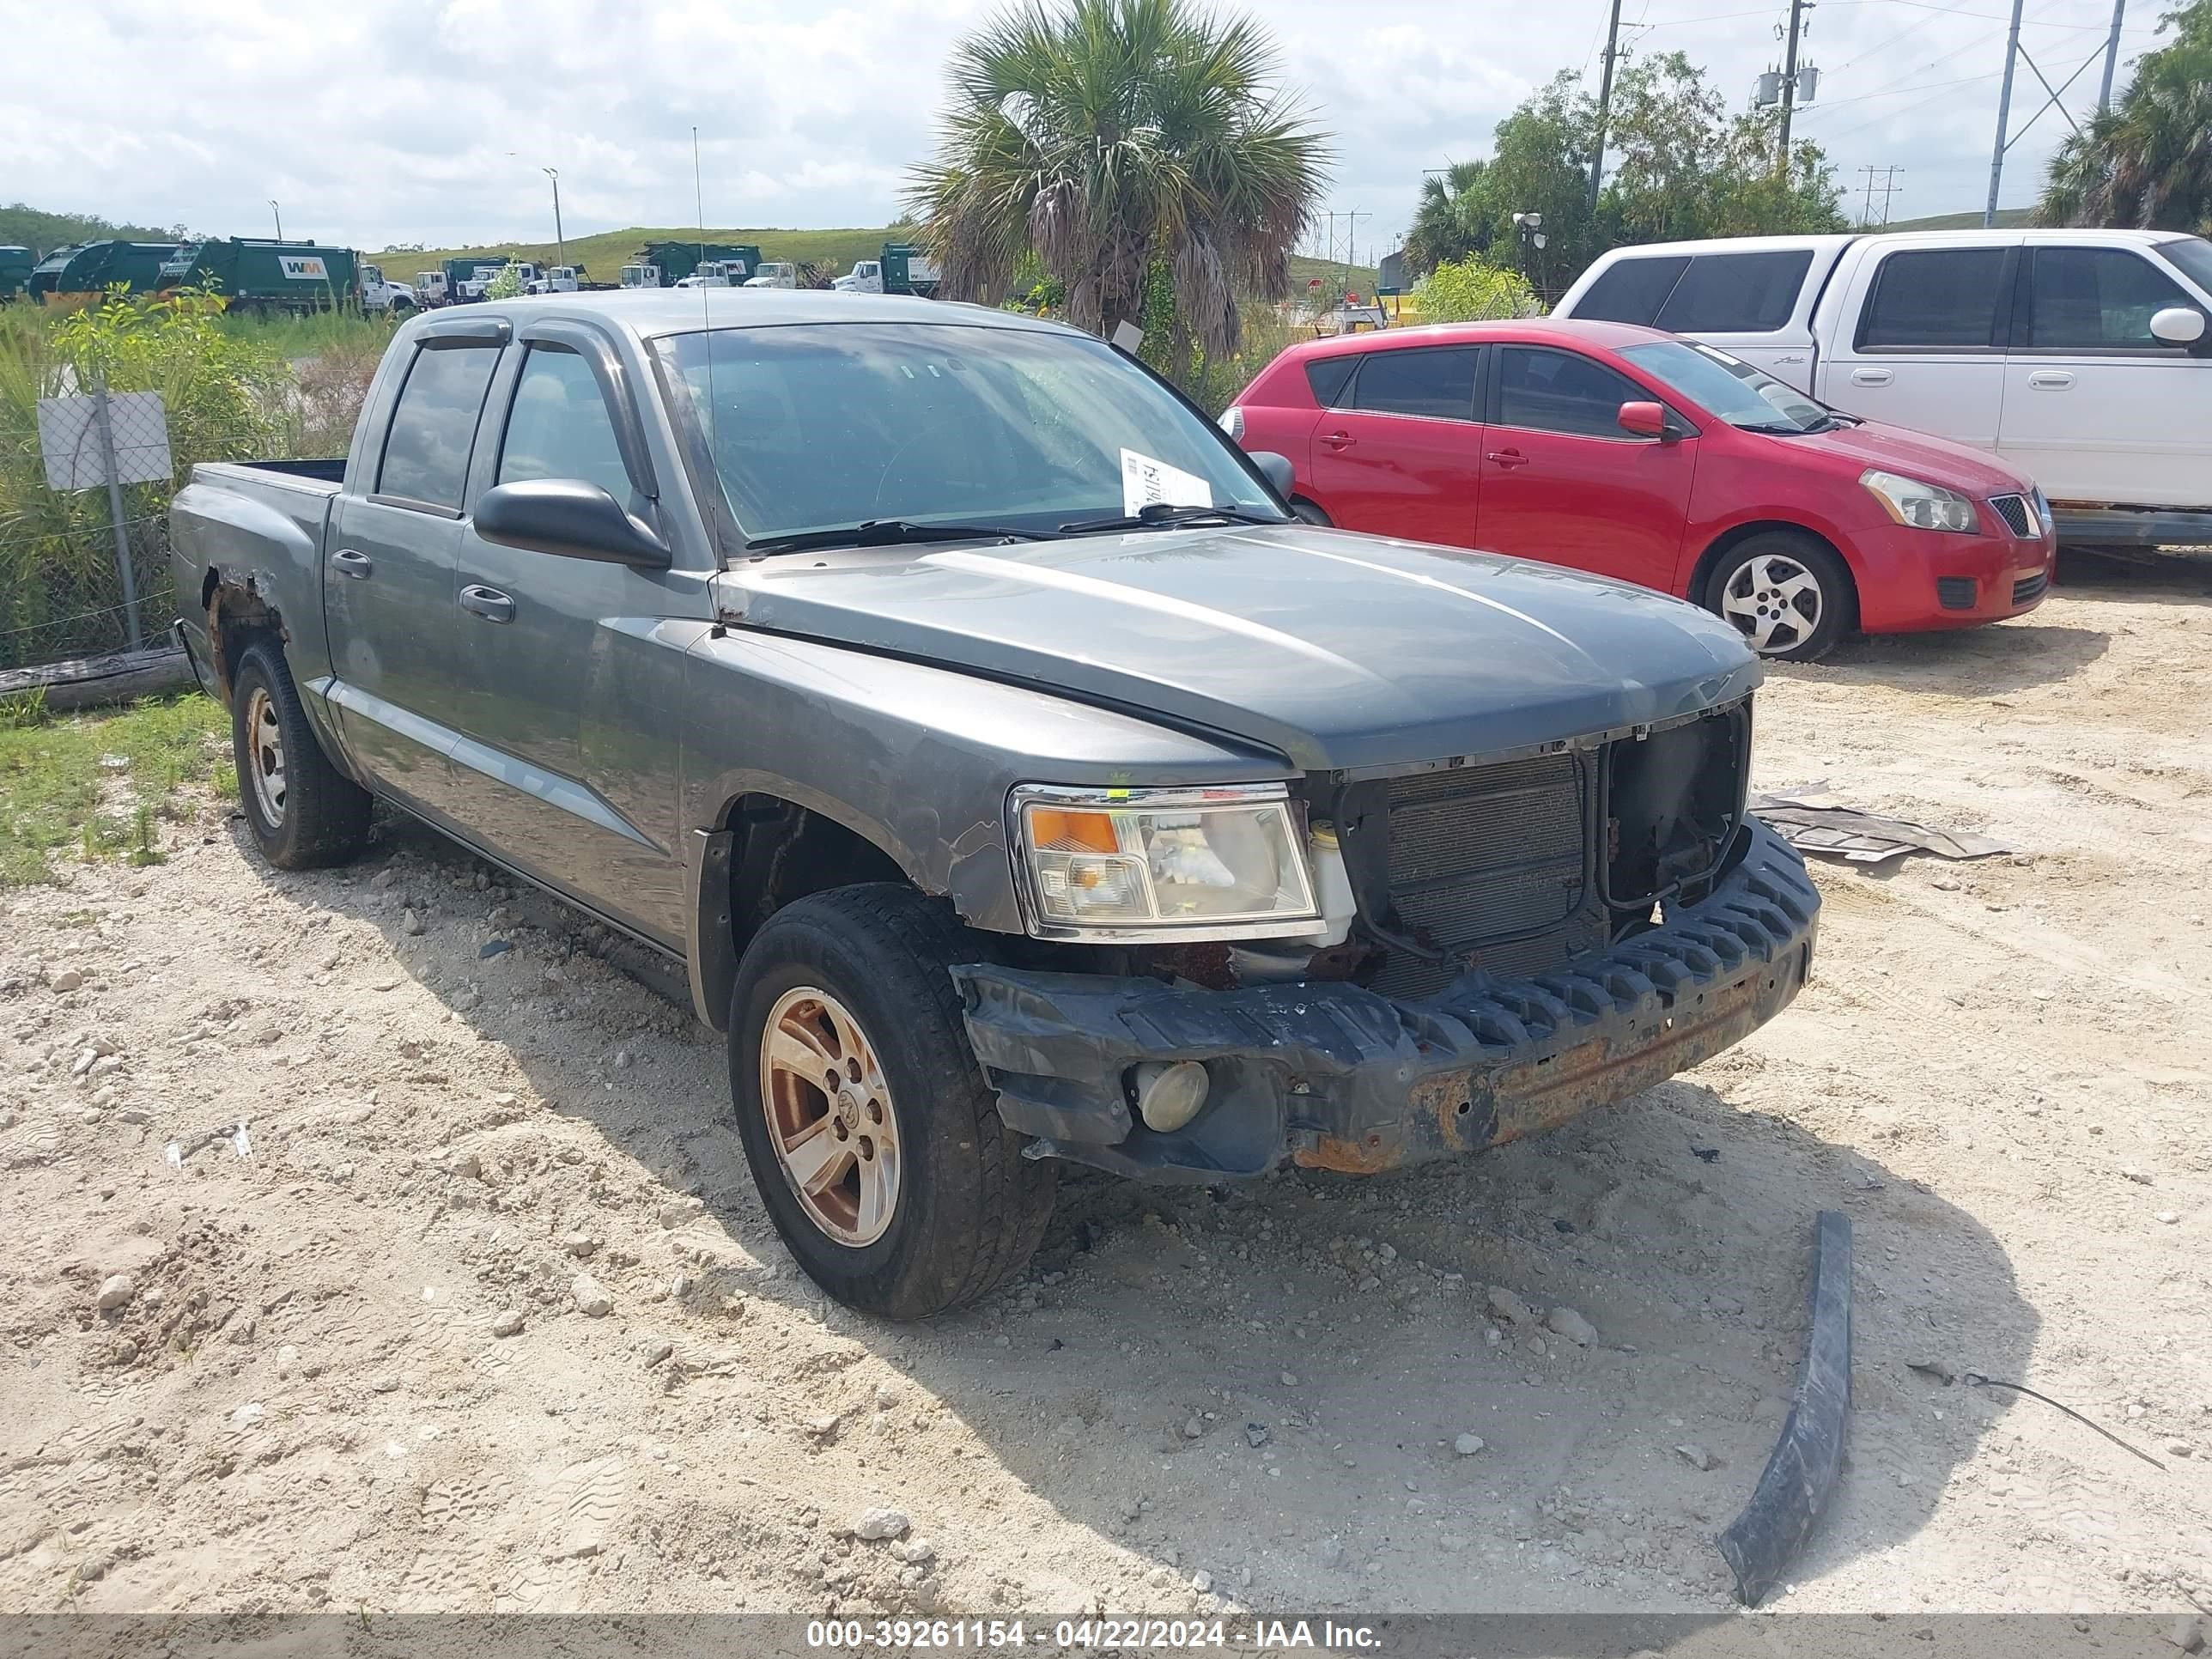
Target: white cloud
404,120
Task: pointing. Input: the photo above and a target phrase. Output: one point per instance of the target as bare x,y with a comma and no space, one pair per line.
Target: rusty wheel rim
264,737
829,1116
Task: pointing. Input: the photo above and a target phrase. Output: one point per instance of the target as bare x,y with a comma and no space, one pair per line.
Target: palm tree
2146,163
1105,138
1440,230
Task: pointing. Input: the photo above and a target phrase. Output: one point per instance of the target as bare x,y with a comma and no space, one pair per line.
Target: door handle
488,602
1871,377
350,562
1339,440
1508,457
2050,380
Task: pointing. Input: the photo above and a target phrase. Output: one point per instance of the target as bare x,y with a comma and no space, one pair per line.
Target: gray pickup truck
1016,780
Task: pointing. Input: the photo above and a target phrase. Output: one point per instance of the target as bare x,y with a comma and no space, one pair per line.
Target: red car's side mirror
1645,420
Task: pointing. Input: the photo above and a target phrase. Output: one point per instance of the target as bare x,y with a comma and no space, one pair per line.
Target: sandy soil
2000,1073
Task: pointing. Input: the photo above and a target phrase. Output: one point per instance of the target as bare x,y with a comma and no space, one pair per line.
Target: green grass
53,770
2008,219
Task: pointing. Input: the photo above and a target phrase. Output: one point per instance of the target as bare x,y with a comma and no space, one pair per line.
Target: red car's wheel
1791,598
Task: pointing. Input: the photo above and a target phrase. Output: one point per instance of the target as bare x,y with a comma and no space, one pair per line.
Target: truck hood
1932,460
1331,649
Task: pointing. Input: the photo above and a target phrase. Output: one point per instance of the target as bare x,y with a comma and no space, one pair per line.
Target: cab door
1401,452
2095,408
1920,341
391,558
567,757
1562,482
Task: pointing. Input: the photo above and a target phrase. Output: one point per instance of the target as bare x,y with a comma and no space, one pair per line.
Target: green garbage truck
259,274
74,275
677,260
16,265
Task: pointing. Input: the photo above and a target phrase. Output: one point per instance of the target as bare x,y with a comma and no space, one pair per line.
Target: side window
433,425
1439,383
1943,299
1560,391
1328,376
1632,291
1736,293
2096,299
558,426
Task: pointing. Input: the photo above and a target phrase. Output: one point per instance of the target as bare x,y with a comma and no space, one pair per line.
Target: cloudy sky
379,122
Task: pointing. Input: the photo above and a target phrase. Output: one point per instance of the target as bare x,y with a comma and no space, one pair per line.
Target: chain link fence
84,550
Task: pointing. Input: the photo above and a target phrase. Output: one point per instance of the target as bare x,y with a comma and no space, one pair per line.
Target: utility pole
560,242
1605,103
2004,115
1790,81
2112,57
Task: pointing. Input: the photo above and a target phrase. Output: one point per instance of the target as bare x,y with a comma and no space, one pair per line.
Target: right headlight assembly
1165,863
1923,506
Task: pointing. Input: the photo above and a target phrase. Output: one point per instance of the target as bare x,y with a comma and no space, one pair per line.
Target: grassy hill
603,254
2008,219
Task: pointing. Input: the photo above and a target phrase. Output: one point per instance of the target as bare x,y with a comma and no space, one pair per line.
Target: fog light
1169,1093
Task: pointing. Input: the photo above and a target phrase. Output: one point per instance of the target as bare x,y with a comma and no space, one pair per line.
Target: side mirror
569,517
1282,477
2181,325
1646,420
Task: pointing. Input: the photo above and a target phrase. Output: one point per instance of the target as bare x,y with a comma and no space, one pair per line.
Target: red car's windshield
1730,389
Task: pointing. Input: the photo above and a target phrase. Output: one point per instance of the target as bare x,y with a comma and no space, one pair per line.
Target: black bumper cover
1335,1077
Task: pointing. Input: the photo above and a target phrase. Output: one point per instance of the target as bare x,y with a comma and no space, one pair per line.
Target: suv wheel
303,811
1791,598
874,1140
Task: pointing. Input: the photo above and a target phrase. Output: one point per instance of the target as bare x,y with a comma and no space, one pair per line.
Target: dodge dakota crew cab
1018,780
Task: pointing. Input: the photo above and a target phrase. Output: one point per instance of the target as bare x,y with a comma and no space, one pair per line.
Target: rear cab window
1736,293
1935,300
434,426
1632,290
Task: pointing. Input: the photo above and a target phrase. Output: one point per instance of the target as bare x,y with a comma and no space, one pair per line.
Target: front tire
873,1139
1307,512
1789,597
305,814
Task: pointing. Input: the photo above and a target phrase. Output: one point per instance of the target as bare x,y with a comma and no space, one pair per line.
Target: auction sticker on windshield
1147,483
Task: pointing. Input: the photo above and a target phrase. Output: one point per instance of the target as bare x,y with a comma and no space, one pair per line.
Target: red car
1637,454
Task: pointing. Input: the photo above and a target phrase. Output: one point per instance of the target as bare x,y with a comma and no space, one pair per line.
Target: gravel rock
2187,1633
582,1246
2169,1217
880,1522
1467,1444
1509,1308
1290,1379
1201,1581
64,979
411,924
915,1552
1192,1428
509,1323
591,1296
1331,1550
1256,1435
1694,1455
1565,1321
115,1292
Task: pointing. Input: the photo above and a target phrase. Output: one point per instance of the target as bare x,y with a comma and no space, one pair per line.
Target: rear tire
305,814
1789,597
852,985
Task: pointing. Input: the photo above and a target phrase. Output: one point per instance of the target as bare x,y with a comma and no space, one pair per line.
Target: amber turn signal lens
1068,831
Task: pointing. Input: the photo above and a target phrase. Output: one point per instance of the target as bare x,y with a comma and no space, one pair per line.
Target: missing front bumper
1331,1076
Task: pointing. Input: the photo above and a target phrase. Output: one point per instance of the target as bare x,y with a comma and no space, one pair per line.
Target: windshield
823,426
2194,255
1728,389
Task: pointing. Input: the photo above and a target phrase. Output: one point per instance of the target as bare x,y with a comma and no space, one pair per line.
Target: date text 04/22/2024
1101,1635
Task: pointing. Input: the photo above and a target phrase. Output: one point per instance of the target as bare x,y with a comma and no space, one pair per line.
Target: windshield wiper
1162,514
891,532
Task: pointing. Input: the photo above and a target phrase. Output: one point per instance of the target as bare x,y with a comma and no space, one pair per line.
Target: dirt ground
1255,1395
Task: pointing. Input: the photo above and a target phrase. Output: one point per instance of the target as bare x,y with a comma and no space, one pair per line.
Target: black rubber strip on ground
1793,1487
